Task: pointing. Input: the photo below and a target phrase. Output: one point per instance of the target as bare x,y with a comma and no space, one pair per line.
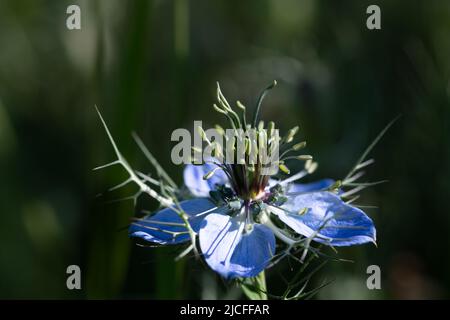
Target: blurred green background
151,66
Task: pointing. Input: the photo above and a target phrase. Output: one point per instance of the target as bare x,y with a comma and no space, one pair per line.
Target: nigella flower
243,217
238,239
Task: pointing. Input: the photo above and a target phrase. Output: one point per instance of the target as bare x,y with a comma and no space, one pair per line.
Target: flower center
248,184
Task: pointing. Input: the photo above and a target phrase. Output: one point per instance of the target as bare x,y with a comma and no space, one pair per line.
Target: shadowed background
151,66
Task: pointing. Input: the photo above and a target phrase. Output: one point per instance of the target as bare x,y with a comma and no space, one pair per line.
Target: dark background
151,66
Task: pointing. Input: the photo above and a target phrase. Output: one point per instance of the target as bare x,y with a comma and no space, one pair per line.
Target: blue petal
232,253
253,253
193,179
328,218
159,227
312,186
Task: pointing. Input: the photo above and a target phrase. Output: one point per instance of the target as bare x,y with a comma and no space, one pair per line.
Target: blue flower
239,240
242,215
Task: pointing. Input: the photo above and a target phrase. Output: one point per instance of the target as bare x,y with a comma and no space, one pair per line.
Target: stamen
293,178
304,157
211,173
311,166
299,146
291,134
284,168
185,252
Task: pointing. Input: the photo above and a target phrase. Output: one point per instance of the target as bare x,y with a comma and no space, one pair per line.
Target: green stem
255,288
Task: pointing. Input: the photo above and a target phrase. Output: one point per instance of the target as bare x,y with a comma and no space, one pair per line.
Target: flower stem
255,288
